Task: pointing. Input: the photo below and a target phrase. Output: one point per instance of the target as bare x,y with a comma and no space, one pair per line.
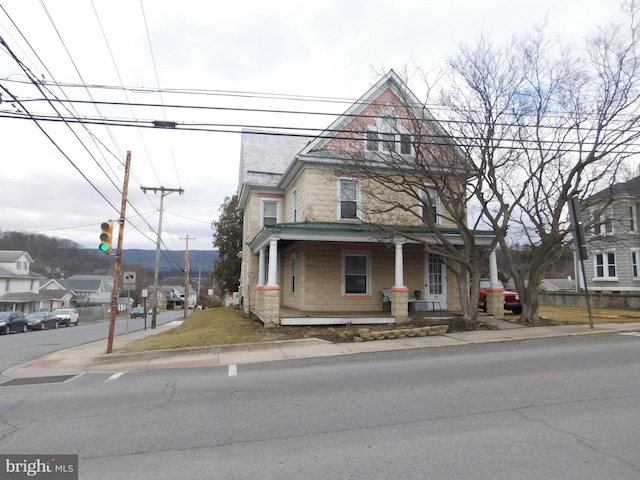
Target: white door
435,289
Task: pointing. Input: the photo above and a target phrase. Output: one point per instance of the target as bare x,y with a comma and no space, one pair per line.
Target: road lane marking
634,334
115,376
233,370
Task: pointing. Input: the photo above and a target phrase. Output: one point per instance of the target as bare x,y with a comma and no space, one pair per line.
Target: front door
435,281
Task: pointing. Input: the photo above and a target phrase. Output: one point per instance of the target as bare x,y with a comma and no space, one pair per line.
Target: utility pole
116,272
163,192
186,278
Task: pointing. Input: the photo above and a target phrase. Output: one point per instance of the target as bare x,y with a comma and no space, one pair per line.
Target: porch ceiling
357,232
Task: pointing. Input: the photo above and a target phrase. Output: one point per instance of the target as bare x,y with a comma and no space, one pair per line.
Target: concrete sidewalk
91,358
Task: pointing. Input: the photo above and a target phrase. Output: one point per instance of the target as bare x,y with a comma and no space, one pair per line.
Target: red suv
511,299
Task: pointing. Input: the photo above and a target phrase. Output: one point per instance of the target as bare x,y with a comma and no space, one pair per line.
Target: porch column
493,269
495,297
399,280
273,262
261,268
399,292
271,306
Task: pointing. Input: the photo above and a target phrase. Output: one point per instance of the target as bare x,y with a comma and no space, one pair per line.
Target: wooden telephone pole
116,270
163,192
186,278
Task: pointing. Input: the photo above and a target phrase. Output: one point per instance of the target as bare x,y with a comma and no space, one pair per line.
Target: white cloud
320,48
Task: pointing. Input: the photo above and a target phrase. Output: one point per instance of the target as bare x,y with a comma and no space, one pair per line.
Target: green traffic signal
106,237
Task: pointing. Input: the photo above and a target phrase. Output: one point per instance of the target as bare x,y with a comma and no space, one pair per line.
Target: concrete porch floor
292,317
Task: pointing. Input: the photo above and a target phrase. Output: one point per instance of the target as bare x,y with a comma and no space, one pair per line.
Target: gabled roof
87,283
268,158
630,188
14,255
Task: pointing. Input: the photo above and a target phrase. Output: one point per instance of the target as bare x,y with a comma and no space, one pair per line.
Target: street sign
129,277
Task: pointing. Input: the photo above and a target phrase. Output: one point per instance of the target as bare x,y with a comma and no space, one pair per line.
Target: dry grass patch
215,326
226,326
580,315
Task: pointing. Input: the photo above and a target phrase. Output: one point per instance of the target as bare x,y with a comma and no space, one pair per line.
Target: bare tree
543,121
416,175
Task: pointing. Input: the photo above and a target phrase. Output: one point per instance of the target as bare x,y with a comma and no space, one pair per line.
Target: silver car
67,316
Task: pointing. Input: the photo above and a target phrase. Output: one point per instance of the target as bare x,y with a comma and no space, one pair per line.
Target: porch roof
358,232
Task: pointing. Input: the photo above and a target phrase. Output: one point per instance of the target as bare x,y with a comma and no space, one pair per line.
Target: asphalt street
18,348
537,409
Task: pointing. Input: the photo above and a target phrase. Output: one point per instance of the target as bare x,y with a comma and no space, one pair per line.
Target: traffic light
106,236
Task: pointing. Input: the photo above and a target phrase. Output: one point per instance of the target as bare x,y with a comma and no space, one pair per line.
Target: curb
108,359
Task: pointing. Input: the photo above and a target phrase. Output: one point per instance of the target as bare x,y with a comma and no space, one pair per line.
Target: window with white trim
605,266
635,259
632,221
602,222
356,273
372,140
431,205
269,212
348,199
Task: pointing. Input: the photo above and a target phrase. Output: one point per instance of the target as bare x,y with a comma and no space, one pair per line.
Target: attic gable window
405,144
389,142
372,140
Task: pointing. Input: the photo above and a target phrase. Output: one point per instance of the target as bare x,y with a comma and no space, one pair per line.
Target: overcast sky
63,179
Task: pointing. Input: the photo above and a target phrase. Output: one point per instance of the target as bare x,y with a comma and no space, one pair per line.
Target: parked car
67,316
12,322
137,312
41,321
511,299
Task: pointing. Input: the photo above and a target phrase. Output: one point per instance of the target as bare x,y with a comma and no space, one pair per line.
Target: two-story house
19,287
309,248
613,241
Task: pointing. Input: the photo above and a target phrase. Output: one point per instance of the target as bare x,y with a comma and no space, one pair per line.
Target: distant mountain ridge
171,259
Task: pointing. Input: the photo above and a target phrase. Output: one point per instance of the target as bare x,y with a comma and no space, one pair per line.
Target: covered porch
303,276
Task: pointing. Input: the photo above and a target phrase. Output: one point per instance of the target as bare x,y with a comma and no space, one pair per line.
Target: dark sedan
12,322
41,321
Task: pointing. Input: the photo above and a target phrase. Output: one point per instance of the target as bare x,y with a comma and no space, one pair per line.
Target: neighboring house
56,295
306,246
557,285
613,241
19,288
52,299
88,289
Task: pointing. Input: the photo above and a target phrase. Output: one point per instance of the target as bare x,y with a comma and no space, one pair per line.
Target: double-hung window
635,259
605,266
349,199
372,140
632,221
270,212
356,273
602,223
430,205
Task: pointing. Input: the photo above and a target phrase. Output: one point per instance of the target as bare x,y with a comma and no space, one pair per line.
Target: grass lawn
226,325
579,315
